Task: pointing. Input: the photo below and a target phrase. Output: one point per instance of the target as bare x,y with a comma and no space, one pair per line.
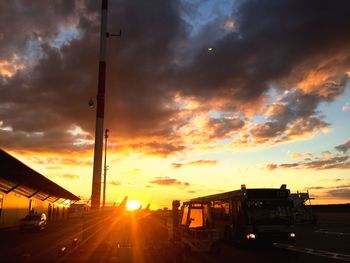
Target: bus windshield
269,214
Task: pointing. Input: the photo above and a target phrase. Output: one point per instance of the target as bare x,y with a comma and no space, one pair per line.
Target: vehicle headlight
251,236
292,234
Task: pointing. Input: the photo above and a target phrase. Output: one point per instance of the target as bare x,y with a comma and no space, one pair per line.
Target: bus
245,216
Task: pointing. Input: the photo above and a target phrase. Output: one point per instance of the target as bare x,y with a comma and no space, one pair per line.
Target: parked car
34,221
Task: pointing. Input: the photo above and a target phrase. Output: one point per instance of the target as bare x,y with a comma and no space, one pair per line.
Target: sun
132,205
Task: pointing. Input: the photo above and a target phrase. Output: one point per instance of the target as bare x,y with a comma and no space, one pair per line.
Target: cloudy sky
201,96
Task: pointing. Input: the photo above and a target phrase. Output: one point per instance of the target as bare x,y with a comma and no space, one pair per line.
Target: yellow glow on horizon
132,205
133,175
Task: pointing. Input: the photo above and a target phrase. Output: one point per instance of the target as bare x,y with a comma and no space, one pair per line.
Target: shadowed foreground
142,237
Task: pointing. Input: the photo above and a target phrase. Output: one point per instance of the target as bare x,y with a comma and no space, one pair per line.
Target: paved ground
132,237
21,246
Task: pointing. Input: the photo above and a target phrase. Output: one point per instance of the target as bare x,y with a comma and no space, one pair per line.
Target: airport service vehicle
244,216
34,221
302,212
196,230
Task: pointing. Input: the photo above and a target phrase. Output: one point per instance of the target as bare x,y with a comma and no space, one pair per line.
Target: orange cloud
298,155
271,166
327,78
198,162
317,164
9,67
166,181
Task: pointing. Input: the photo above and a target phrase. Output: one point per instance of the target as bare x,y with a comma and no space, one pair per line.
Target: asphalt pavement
143,237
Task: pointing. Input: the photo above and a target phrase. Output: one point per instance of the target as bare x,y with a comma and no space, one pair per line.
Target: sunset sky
201,96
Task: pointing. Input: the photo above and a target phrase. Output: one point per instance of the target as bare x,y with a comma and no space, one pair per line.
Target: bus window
226,206
1,200
184,215
207,216
196,218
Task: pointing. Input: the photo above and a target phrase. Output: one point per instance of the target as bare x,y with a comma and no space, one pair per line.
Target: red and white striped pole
97,170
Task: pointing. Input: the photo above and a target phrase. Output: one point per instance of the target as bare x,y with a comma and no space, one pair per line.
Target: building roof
16,176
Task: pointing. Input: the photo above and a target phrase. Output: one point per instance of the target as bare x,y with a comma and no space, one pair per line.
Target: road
21,246
132,237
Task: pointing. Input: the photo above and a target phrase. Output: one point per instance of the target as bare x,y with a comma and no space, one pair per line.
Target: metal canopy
17,173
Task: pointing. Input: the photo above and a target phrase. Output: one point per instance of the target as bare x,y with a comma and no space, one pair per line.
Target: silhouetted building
23,190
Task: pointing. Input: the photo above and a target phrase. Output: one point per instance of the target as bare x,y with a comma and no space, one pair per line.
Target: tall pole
105,171
96,179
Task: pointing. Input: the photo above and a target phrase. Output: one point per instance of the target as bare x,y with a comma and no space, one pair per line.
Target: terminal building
23,190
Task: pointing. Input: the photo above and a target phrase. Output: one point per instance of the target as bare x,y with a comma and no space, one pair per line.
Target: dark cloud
287,45
166,181
306,126
343,147
316,187
158,148
341,162
61,161
198,162
343,186
69,176
338,179
115,183
329,163
65,176
288,34
329,160
289,165
292,116
221,128
55,91
340,193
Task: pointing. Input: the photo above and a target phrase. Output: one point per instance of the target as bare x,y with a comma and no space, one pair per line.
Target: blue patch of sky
222,142
224,114
216,114
207,11
339,119
258,119
65,36
33,50
273,95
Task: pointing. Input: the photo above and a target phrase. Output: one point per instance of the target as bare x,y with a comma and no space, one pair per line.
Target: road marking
316,252
324,231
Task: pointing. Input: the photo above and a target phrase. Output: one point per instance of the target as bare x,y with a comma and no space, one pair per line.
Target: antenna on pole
105,171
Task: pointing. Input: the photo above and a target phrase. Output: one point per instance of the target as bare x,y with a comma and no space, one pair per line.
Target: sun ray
132,205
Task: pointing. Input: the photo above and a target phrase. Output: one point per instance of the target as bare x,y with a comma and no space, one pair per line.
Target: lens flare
132,205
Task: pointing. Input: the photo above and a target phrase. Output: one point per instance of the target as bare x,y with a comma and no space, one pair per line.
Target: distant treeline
331,208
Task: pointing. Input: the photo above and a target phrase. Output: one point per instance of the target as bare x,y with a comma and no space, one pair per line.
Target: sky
201,96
